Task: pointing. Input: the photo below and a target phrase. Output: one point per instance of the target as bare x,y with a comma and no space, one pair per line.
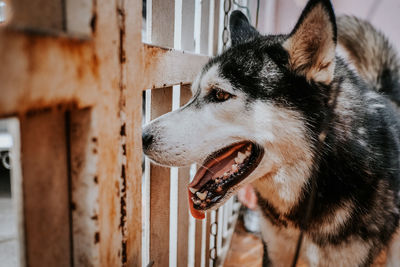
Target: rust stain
152,55
82,52
95,65
123,177
121,18
42,106
122,132
96,237
80,72
122,104
122,54
117,189
37,111
124,254
124,149
123,199
93,20
123,213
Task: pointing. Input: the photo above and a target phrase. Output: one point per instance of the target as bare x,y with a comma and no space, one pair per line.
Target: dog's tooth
226,175
193,190
196,201
235,168
247,153
202,196
240,158
217,180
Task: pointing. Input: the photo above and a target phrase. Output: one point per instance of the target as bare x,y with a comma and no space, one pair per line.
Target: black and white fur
282,85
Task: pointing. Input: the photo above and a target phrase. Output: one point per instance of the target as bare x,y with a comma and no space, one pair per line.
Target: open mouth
220,172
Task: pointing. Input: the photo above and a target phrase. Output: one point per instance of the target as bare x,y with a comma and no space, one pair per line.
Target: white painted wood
221,26
84,187
149,19
220,219
197,26
192,229
162,22
178,25
214,27
188,15
204,27
146,192
173,217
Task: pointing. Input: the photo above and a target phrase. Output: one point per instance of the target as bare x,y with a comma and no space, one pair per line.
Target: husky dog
256,115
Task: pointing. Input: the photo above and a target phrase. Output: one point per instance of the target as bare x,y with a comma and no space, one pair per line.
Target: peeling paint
124,253
96,237
121,24
122,132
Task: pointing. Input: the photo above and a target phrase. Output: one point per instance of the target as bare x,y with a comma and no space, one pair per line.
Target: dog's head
254,110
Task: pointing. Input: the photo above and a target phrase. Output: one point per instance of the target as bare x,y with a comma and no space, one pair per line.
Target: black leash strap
315,168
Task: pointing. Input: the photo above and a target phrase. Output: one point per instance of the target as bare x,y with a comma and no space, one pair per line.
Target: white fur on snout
191,134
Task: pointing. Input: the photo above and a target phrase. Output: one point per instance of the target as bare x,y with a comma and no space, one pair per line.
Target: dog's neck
282,188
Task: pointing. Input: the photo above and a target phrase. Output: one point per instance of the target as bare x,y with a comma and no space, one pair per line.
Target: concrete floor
246,251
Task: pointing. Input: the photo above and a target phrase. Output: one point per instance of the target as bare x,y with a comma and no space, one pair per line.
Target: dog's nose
147,139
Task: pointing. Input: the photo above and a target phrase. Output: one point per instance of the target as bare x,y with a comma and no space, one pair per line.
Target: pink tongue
206,173
201,172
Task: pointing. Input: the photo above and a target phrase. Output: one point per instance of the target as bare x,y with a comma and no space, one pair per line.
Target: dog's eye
220,95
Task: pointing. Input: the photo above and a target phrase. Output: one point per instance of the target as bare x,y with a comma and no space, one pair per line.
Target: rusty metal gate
74,73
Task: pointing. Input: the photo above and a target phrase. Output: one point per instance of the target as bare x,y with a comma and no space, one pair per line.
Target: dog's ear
240,28
312,43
